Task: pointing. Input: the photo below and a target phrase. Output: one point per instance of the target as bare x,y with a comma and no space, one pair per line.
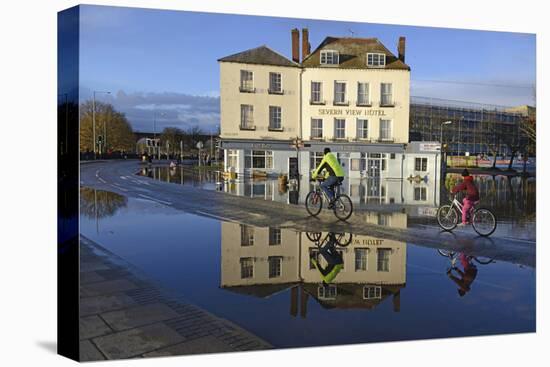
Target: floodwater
264,279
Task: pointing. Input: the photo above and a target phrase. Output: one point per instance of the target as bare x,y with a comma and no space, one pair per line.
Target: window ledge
247,90
279,92
340,103
247,127
386,140
275,129
387,105
318,103
363,104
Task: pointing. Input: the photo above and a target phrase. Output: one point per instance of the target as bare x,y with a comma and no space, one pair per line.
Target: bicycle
482,219
453,256
342,205
342,239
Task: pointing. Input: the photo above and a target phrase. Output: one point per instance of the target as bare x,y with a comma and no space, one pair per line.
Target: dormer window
330,57
376,60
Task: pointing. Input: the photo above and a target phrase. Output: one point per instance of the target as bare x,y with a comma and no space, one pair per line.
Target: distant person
335,174
472,195
466,276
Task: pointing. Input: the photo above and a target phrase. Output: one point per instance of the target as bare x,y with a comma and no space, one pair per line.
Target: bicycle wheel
343,239
343,208
445,253
484,222
314,203
483,260
313,236
447,217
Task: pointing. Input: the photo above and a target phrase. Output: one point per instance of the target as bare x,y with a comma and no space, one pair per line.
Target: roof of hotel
262,55
353,53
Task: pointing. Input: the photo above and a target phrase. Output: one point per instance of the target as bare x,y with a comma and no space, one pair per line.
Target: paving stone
93,265
88,352
100,304
107,287
137,316
90,277
92,326
137,341
207,344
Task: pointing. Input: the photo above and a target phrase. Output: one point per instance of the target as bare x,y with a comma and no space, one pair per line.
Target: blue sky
167,60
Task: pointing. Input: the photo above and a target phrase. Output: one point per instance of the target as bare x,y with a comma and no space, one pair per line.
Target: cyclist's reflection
465,277
333,258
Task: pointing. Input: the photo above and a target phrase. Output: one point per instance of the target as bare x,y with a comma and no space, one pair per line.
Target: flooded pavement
269,280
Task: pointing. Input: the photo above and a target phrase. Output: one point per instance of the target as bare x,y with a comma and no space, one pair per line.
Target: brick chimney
306,47
401,49
295,45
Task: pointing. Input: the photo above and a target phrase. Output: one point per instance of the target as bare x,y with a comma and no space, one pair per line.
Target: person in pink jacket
472,194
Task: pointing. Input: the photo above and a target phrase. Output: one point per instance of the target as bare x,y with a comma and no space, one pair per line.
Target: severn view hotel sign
350,112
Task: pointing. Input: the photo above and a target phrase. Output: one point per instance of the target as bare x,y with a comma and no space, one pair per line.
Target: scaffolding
475,128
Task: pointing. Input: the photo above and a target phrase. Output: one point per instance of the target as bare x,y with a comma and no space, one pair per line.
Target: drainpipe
402,179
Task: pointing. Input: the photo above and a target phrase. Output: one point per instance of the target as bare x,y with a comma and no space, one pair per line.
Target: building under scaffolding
475,128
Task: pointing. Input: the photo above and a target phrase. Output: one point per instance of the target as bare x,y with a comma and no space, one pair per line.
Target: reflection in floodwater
100,204
264,279
512,199
339,270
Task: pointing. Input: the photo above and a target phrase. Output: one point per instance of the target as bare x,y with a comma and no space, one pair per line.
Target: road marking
219,217
122,177
157,200
102,180
119,187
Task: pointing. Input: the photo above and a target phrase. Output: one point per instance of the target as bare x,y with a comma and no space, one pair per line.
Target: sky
166,61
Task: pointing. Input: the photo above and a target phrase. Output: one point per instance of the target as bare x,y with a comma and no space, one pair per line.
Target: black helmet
465,172
326,150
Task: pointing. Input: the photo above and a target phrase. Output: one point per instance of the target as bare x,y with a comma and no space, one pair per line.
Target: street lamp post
155,132
93,118
443,161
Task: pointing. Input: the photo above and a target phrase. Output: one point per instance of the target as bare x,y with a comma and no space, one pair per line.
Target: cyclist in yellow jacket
335,174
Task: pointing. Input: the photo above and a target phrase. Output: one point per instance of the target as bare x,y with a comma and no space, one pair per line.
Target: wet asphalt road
120,177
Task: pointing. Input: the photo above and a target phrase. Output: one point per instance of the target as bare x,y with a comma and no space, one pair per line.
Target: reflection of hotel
349,94
263,261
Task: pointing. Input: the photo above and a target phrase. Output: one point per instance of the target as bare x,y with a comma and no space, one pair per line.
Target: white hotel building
349,94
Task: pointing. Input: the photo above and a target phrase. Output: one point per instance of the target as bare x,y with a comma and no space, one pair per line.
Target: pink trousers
468,204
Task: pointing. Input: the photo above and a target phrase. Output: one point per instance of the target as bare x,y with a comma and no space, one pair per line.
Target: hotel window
275,85
317,128
247,267
232,158
421,164
355,165
363,98
316,94
247,81
329,57
386,98
275,263
384,219
362,129
274,236
376,60
327,291
361,259
420,194
313,255
339,92
385,129
247,235
258,159
372,292
339,128
247,116
315,159
383,261
275,118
